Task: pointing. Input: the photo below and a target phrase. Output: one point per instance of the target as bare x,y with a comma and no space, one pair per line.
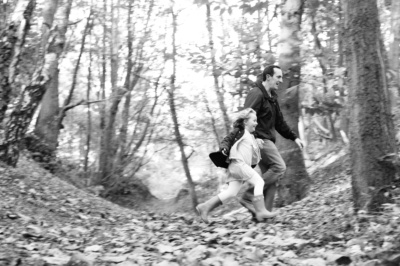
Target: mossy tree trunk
371,126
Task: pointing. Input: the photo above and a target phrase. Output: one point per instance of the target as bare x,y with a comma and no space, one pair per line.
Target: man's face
274,81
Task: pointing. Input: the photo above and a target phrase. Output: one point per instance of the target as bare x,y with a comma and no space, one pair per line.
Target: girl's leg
206,207
258,184
232,190
258,199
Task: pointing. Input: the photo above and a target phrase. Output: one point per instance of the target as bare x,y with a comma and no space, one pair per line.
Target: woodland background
127,98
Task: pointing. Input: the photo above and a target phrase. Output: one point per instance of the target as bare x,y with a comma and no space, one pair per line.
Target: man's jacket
269,115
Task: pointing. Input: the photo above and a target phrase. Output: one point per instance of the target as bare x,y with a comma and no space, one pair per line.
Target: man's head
272,77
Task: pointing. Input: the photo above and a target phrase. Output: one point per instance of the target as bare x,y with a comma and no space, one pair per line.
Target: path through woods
46,221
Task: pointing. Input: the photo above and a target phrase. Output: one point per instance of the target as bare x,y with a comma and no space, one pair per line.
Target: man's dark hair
269,70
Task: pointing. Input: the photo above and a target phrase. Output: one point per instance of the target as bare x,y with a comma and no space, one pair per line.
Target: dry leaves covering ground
46,221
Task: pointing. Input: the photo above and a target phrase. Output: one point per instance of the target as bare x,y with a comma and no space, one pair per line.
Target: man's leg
273,168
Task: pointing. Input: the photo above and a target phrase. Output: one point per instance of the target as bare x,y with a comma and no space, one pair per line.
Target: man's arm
253,100
282,127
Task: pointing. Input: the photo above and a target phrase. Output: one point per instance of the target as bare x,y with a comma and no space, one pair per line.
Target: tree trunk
295,184
371,125
68,99
394,51
102,95
12,40
30,98
5,8
213,122
122,146
46,128
174,115
319,54
215,72
89,118
107,148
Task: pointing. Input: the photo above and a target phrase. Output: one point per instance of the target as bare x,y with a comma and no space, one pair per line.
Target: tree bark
122,145
46,128
12,39
394,51
371,125
213,122
215,72
68,100
89,118
102,94
319,54
295,184
174,115
30,98
122,139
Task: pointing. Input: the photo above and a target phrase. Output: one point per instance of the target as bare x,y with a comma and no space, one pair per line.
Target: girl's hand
260,142
224,152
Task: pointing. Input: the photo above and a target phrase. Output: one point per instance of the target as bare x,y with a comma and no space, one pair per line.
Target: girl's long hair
242,116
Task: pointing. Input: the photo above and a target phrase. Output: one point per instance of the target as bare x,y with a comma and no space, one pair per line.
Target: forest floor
47,221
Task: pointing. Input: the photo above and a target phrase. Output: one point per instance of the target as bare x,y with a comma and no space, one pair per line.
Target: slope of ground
46,221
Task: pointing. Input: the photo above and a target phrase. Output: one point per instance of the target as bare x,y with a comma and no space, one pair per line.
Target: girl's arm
228,141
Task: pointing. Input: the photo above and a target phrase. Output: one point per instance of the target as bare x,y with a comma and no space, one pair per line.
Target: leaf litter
47,221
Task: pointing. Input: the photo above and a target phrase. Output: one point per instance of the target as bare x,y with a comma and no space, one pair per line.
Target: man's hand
299,143
224,152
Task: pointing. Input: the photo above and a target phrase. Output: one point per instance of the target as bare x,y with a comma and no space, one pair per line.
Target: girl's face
251,123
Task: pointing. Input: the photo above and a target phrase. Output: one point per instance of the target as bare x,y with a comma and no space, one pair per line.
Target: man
263,99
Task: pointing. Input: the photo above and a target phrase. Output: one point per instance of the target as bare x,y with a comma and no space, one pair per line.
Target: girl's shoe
206,207
261,212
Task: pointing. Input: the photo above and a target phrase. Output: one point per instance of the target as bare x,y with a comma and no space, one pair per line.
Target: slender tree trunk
5,8
295,184
123,132
102,96
394,51
215,72
108,151
68,99
174,115
319,54
46,128
213,122
12,40
371,125
122,147
108,148
89,118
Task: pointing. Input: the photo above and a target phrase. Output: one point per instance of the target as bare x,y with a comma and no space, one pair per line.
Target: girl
244,153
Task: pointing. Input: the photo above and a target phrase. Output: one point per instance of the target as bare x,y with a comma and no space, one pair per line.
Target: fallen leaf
60,260
114,259
313,262
94,248
162,248
166,263
127,263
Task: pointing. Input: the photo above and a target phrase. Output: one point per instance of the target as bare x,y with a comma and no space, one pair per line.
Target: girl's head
246,119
